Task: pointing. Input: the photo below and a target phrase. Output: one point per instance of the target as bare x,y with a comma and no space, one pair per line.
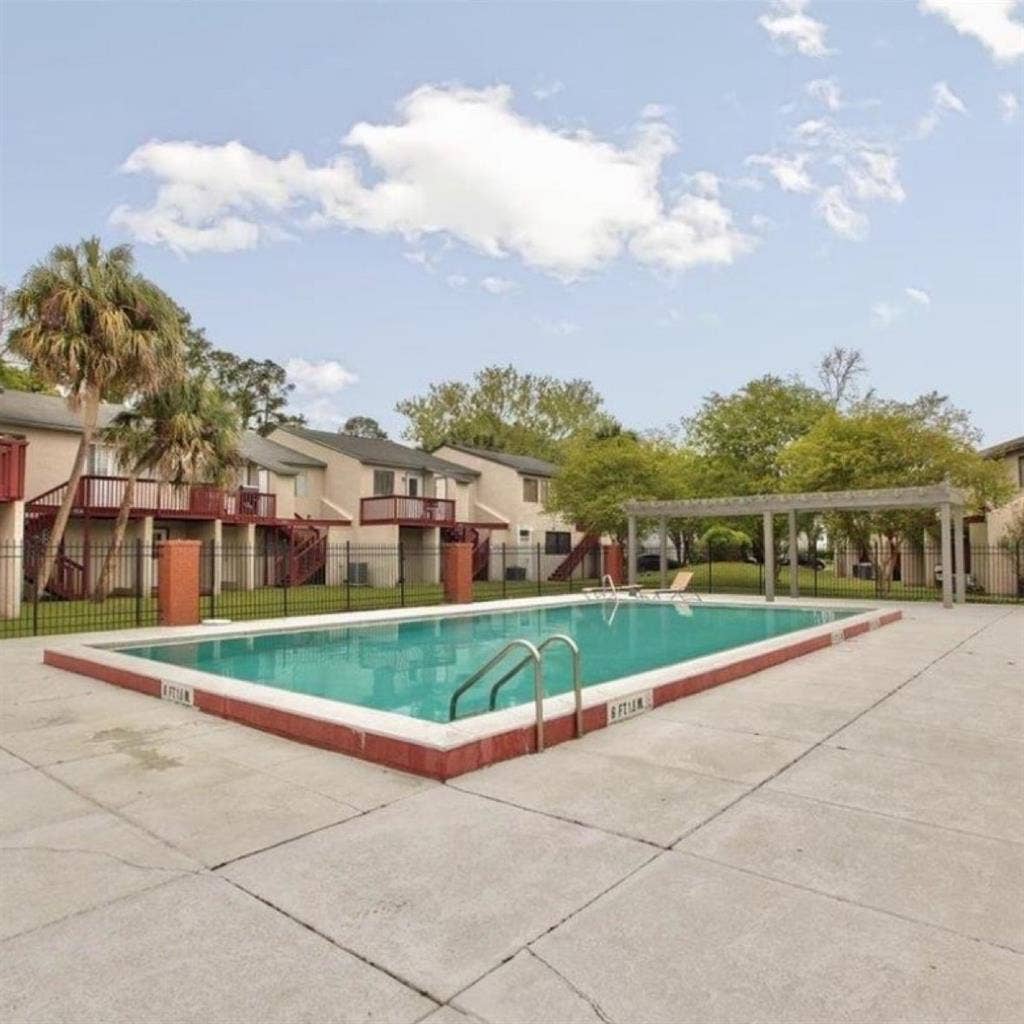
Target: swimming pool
412,667
377,685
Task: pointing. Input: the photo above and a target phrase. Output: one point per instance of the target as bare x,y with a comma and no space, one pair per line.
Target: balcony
102,496
401,510
12,468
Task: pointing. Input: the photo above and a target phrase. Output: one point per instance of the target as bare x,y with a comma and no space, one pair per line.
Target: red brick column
614,563
177,593
457,572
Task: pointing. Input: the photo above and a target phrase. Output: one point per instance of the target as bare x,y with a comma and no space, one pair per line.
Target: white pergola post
769,557
663,551
944,555
958,556
794,561
631,552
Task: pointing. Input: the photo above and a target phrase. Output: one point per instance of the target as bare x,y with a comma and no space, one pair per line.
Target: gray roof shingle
276,457
525,464
28,409
382,452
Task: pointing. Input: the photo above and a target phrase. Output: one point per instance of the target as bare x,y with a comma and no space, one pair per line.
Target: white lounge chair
679,588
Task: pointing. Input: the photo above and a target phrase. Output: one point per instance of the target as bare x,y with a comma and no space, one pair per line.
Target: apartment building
275,507
515,487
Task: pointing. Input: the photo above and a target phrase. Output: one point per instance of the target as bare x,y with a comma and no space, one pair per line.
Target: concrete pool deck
840,837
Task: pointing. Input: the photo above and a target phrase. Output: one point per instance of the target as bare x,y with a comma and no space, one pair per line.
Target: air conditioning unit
523,534
359,574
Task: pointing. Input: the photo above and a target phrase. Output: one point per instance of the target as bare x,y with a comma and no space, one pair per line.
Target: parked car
804,559
652,563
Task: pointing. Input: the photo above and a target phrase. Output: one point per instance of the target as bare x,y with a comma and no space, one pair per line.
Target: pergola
944,498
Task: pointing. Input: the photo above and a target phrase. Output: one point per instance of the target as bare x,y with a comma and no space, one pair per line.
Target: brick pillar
613,563
457,565
178,585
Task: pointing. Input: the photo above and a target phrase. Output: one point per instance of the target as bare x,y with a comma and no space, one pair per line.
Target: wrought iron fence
278,578
994,573
71,602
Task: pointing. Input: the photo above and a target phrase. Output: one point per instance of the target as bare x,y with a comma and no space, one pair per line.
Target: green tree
259,388
740,440
599,475
186,432
14,377
363,426
890,445
742,436
505,410
88,324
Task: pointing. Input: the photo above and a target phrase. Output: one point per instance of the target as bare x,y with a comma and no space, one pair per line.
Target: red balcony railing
12,468
405,511
98,495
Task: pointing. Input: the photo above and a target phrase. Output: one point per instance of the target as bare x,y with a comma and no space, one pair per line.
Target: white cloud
672,316
544,90
789,171
317,386
885,314
873,174
759,222
990,21
826,91
498,285
1009,105
918,295
840,216
786,23
704,183
456,280
458,163
944,100
560,328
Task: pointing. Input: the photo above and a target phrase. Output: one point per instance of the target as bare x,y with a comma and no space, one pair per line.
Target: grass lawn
52,617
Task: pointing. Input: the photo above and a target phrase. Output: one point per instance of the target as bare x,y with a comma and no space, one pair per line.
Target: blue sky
654,197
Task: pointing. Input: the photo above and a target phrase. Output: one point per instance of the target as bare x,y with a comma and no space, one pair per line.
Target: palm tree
89,325
187,431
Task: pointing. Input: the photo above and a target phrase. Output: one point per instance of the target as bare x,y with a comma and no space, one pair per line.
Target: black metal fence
71,602
276,579
994,573
269,580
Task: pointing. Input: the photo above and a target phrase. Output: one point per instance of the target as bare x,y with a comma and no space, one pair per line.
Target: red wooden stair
570,563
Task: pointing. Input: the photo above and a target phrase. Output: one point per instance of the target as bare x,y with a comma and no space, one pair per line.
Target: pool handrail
538,682
577,683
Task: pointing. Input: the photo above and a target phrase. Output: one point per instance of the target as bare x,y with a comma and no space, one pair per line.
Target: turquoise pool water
412,667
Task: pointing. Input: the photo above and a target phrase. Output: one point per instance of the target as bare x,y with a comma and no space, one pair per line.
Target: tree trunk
90,413
117,541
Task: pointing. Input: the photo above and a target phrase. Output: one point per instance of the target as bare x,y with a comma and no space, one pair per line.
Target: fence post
539,590
814,564
504,573
35,600
401,571
213,579
348,575
178,586
286,563
710,588
138,581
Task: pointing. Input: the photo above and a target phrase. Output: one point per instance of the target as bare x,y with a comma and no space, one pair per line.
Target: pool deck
840,837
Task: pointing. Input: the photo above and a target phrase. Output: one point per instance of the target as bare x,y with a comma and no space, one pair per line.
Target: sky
665,199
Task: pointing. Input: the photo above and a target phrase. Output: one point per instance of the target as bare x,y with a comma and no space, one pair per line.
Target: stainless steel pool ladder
533,654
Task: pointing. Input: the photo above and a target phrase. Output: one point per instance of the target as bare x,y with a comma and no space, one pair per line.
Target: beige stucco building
308,506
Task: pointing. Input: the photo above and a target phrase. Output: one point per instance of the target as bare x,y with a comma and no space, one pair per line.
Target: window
544,491
102,461
557,542
383,481
1020,471
412,486
531,489
301,485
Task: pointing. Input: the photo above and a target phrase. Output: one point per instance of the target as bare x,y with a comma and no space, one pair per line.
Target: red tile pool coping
453,754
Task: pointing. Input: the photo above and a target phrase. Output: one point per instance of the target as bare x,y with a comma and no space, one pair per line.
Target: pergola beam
934,496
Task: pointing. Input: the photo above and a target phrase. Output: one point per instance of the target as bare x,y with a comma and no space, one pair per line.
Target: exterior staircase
304,556
463,534
571,562
67,581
